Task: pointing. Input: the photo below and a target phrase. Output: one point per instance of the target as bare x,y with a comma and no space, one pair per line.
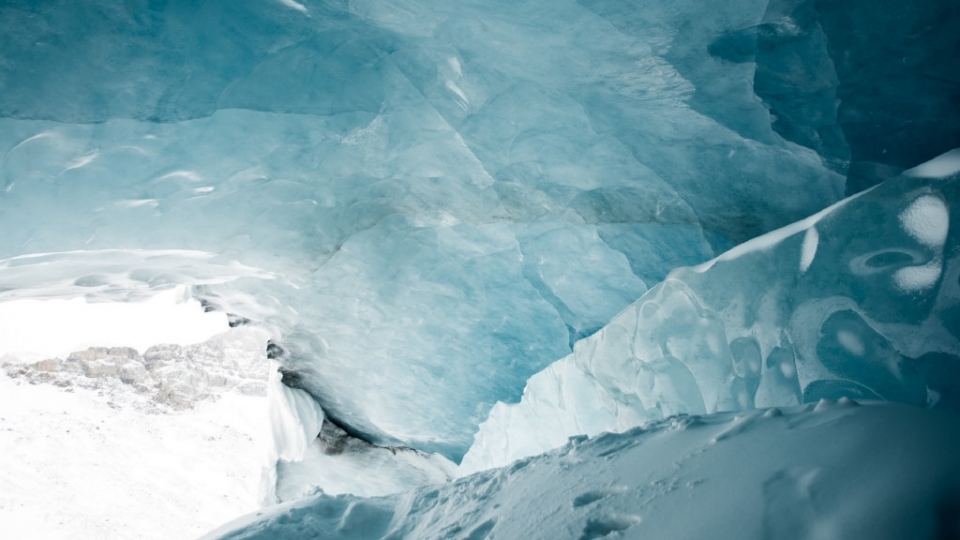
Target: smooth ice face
861,300
424,202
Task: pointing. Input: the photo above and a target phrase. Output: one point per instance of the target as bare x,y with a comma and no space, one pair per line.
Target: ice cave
422,269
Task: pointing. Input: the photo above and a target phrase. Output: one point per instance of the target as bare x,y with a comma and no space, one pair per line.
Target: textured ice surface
861,300
440,198
834,470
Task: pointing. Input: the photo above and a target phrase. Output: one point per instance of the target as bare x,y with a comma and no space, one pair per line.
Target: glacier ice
860,300
834,470
426,203
440,199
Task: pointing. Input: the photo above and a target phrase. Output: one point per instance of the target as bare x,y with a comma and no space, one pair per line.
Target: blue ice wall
446,195
859,301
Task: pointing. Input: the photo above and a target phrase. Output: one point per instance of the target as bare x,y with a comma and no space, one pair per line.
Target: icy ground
831,470
102,446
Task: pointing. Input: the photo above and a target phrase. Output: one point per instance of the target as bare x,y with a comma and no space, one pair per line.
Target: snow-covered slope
832,470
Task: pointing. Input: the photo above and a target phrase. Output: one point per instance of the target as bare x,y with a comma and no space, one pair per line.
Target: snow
108,463
942,166
830,470
107,443
927,219
809,249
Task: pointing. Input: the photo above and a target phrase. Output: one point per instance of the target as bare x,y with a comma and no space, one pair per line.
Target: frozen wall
861,300
428,201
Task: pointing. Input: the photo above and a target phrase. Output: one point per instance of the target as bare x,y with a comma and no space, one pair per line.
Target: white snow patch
295,5
918,278
927,220
189,176
137,203
809,249
942,166
851,342
83,464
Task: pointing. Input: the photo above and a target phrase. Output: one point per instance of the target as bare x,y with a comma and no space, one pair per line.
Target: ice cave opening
140,419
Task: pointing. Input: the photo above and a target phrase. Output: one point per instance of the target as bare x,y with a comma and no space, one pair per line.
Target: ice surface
860,300
427,202
834,470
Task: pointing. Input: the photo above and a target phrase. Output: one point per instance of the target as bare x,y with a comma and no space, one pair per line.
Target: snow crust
833,470
872,315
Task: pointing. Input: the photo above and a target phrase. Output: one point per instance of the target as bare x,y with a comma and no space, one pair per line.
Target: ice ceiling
428,202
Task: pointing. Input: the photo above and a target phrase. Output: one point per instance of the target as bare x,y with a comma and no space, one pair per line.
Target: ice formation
446,196
430,206
860,300
309,454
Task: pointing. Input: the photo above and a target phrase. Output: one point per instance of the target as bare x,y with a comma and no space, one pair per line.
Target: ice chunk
295,421
748,329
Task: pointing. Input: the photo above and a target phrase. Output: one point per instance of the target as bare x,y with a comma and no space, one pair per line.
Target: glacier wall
426,203
860,300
